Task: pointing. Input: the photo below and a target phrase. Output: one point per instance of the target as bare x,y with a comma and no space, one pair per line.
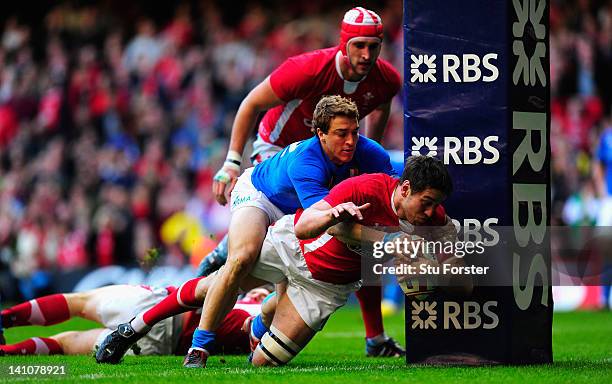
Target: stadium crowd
111,124
112,129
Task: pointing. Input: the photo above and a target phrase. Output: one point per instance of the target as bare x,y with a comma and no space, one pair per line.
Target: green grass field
582,348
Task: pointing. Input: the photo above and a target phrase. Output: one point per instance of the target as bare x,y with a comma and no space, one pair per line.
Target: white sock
378,339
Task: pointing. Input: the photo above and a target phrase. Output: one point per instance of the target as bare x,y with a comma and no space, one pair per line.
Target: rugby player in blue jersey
296,177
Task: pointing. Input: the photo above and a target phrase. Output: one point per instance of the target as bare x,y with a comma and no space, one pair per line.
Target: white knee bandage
277,348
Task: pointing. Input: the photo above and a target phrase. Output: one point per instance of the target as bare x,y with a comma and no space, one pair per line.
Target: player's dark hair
331,106
427,172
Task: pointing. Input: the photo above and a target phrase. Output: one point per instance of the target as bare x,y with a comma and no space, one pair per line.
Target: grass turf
582,343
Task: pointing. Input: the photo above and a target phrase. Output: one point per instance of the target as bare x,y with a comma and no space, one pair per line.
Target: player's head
424,184
336,123
361,35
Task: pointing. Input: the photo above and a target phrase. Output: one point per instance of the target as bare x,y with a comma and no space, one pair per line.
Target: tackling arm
262,97
321,215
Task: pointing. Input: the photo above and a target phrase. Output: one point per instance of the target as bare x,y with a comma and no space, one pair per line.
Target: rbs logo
467,68
475,231
459,150
470,315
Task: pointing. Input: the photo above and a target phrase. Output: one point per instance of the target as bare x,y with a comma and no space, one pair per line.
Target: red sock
34,346
46,310
179,301
369,301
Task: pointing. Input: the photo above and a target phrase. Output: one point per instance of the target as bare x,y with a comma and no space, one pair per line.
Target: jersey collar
349,86
393,205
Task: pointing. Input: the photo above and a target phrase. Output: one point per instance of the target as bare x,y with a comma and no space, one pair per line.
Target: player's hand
223,183
348,211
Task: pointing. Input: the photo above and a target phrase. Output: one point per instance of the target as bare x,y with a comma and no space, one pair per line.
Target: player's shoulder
388,72
439,216
312,62
307,153
367,143
373,182
369,148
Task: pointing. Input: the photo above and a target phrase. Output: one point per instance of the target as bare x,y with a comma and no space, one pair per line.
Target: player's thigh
247,231
114,304
78,342
87,304
94,299
290,323
288,335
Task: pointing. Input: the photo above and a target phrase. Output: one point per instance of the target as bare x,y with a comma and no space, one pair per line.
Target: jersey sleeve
307,179
391,77
373,158
289,81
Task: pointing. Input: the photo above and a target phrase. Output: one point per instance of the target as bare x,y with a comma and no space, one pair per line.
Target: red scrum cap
359,22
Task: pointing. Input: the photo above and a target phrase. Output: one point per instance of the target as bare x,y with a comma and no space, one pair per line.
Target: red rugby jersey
330,260
302,80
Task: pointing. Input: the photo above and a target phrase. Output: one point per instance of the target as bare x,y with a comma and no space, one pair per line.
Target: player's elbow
302,231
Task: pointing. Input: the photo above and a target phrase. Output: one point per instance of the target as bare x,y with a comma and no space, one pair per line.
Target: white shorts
262,150
246,195
120,305
281,258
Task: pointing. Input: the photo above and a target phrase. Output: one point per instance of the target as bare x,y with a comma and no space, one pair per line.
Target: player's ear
405,188
320,134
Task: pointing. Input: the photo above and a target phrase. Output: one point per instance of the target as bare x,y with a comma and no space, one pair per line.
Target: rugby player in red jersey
351,69
318,272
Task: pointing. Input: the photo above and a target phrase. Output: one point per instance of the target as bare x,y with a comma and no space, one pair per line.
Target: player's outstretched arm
321,215
355,234
262,97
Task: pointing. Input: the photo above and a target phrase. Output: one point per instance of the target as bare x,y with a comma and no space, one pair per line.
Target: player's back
330,260
302,174
275,176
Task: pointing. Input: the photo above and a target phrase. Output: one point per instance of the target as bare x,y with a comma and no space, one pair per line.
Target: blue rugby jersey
302,174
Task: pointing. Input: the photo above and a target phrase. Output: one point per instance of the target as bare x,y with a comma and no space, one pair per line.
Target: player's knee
258,359
67,337
275,349
201,289
241,263
77,302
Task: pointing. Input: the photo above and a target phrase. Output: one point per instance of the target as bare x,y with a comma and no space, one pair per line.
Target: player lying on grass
320,272
112,304
288,96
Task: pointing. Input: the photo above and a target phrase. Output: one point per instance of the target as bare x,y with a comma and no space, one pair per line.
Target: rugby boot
196,358
388,348
115,345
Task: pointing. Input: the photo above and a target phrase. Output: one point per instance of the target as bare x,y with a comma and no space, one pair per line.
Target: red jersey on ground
230,339
329,259
302,80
